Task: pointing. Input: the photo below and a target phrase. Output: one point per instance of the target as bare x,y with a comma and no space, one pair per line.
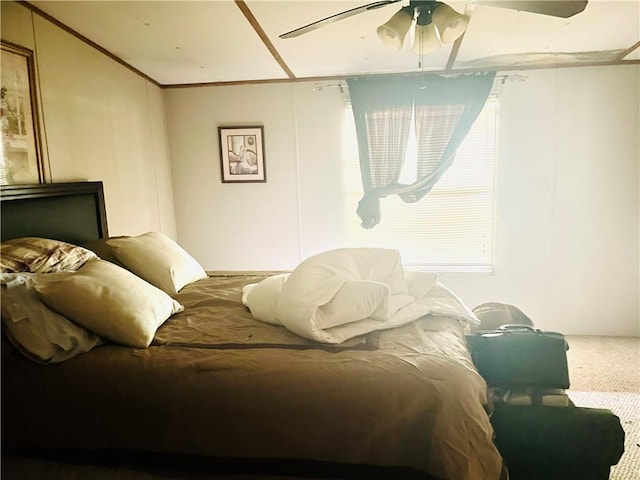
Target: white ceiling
186,42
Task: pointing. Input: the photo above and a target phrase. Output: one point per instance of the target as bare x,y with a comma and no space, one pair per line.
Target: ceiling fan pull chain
421,53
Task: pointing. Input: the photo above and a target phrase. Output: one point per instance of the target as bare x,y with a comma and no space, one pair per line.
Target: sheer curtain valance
443,109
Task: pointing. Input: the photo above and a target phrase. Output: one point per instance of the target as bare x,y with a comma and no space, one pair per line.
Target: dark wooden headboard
72,212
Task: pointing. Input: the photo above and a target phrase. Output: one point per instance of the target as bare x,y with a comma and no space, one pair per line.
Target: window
451,228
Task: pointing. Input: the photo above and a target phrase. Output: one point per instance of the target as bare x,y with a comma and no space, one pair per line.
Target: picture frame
20,155
242,157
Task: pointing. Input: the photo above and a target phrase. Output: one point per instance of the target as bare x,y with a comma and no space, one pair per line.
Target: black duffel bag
520,355
558,443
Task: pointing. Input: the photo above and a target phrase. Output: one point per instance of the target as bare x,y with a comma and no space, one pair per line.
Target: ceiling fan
437,22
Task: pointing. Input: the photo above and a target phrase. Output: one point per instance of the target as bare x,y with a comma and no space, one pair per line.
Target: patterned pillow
41,255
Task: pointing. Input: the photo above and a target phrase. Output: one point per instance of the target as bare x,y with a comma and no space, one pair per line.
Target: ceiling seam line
496,68
263,36
84,39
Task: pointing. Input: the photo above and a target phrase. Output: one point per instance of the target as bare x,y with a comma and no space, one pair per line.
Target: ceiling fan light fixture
426,39
450,24
392,32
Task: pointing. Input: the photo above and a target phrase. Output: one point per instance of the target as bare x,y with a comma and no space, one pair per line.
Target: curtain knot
383,107
369,210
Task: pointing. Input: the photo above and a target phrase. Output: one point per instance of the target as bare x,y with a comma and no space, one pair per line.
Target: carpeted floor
605,373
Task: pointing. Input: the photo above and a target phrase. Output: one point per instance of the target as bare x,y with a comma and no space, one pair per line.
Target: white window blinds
452,227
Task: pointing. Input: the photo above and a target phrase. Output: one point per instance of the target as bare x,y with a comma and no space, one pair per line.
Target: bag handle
517,326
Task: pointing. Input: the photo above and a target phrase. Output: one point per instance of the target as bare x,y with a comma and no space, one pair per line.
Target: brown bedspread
215,319
215,382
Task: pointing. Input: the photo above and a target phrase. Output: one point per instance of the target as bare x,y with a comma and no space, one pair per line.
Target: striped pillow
41,255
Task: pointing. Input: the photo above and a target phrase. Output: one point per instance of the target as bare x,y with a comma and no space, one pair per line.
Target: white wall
263,226
234,226
568,190
99,121
568,242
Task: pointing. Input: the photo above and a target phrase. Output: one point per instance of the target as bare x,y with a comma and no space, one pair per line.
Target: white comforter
340,294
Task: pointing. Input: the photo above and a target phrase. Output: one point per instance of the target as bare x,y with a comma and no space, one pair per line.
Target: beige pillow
159,260
109,301
41,255
103,251
37,331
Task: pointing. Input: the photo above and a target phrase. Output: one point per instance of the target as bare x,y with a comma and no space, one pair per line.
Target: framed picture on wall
242,154
20,159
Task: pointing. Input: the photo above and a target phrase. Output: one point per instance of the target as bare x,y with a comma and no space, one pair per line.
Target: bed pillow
104,250
109,301
159,260
41,255
37,331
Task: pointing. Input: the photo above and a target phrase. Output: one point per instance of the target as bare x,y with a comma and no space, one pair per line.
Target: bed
219,394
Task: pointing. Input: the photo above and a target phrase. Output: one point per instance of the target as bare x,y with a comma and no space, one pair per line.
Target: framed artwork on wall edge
20,156
242,154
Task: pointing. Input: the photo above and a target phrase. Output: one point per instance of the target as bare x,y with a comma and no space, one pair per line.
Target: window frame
466,265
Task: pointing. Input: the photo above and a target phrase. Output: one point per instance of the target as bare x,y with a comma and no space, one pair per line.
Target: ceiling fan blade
338,16
555,8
